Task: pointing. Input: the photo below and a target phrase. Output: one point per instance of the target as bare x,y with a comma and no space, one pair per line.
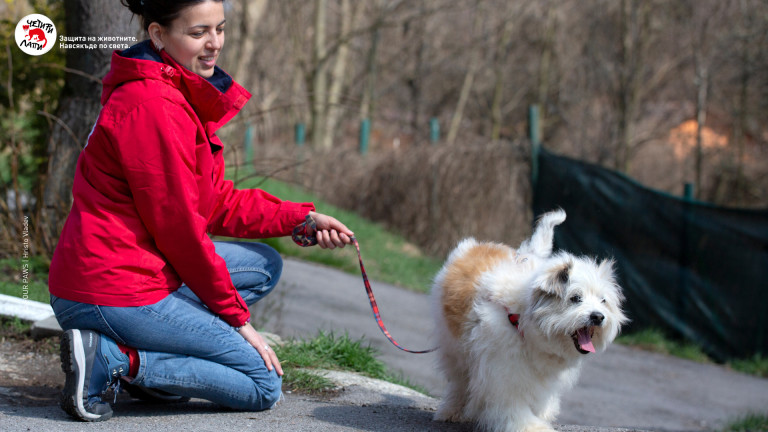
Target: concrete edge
44,322
24,309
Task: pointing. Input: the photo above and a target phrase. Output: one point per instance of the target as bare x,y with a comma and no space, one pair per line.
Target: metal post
249,146
685,256
534,133
299,134
434,130
365,135
688,192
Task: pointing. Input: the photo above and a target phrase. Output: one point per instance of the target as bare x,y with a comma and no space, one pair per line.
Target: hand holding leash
322,230
329,232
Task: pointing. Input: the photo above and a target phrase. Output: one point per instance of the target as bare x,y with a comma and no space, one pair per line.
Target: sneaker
92,363
152,395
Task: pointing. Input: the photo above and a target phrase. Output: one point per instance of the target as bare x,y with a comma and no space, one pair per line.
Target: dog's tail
540,243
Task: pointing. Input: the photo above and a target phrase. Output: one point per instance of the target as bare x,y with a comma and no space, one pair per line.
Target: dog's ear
605,268
555,279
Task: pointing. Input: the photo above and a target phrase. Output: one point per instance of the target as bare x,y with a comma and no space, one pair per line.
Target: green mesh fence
695,270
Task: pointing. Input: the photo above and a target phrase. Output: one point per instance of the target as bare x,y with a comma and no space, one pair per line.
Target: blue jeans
184,348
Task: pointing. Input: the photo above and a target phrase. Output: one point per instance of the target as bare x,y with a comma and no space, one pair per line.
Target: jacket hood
215,100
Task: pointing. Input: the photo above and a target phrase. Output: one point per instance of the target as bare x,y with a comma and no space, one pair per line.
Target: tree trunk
415,82
318,94
500,75
545,62
80,101
253,12
702,86
368,100
338,74
469,79
633,40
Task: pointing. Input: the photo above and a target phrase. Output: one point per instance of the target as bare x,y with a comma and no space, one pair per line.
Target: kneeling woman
143,293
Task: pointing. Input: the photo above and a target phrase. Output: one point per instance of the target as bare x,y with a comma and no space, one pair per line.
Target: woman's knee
270,264
255,268
273,393
269,392
274,261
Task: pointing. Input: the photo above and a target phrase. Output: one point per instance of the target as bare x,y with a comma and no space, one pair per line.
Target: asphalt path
622,387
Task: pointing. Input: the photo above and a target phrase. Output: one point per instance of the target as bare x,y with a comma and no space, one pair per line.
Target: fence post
249,146
299,134
365,135
434,130
534,134
685,258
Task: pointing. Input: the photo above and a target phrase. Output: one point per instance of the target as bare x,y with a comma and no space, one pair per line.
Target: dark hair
159,11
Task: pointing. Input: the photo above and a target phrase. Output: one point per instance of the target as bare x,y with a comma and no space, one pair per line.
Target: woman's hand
330,232
267,353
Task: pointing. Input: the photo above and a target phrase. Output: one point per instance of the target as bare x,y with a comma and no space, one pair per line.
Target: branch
73,71
61,123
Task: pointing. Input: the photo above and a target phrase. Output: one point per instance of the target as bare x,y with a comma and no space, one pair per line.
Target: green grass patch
388,257
749,423
656,341
14,327
25,279
327,351
755,365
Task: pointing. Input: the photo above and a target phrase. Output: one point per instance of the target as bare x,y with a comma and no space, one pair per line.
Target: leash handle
375,307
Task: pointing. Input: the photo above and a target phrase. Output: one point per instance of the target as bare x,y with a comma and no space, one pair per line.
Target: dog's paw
449,416
536,427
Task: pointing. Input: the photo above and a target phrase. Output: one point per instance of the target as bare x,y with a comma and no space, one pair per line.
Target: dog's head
575,305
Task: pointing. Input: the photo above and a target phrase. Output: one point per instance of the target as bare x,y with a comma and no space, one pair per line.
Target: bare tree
702,46
251,14
339,74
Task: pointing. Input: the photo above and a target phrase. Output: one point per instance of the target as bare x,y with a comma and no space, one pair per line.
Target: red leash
375,307
302,238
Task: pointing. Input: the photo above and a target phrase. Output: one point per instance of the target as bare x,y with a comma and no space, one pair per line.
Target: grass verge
328,351
18,331
655,340
755,365
25,279
749,423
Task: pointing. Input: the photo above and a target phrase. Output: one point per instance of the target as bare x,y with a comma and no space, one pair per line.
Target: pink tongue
585,341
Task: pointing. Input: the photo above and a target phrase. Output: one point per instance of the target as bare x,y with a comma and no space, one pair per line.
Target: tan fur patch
459,285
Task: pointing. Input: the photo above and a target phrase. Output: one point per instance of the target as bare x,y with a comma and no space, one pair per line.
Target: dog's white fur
507,379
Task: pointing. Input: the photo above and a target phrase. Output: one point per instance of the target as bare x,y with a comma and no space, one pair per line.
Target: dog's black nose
596,318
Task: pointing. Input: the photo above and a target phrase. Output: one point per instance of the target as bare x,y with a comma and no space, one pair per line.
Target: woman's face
195,38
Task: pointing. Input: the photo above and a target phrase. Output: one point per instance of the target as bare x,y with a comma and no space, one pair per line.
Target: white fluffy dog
513,327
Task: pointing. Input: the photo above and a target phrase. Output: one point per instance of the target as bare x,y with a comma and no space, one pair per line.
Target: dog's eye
603,301
576,299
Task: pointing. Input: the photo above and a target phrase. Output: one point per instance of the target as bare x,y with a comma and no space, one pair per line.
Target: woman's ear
156,33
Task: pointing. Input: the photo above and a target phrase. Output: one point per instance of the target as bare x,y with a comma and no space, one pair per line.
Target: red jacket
150,185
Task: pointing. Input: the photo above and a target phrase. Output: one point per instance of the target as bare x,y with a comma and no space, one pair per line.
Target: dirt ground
30,371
